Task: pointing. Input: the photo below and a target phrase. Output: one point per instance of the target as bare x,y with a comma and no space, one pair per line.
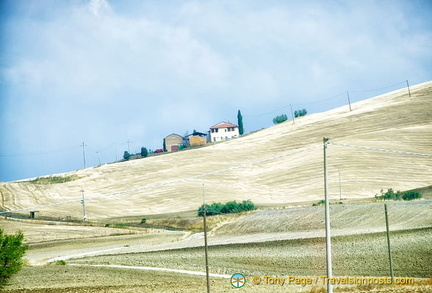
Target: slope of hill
280,165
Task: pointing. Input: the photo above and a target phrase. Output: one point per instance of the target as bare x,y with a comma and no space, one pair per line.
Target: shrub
144,152
321,202
143,220
11,252
410,195
391,195
299,113
230,207
280,119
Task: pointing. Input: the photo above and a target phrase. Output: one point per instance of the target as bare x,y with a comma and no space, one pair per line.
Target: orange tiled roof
223,125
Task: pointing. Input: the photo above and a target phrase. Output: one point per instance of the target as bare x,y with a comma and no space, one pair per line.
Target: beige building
223,131
173,142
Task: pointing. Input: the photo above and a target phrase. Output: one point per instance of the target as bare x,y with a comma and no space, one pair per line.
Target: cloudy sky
106,72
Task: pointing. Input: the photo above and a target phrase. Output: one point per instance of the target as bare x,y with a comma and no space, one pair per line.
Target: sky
121,75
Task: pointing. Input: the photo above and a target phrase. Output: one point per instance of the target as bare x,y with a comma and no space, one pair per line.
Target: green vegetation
410,195
280,119
218,208
299,113
143,220
321,202
144,152
240,122
11,252
54,179
126,155
60,262
391,195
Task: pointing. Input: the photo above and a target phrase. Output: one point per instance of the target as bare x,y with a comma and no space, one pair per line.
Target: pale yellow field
271,166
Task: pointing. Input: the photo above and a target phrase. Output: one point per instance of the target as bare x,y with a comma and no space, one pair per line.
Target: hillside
273,166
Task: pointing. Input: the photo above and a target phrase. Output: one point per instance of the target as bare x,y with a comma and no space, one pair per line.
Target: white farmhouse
223,131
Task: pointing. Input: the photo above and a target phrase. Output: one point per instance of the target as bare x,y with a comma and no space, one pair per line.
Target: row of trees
144,153
218,208
282,118
390,194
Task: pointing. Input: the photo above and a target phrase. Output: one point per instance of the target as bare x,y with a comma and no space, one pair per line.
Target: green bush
218,208
143,220
144,152
321,202
11,252
391,195
410,195
280,119
299,113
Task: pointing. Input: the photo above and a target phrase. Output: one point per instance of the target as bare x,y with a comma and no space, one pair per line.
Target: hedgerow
218,208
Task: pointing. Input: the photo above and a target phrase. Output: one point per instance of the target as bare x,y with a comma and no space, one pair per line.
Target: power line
378,89
382,150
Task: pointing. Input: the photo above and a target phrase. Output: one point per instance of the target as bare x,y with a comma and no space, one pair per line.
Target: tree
144,152
240,122
410,195
126,155
11,252
299,113
280,119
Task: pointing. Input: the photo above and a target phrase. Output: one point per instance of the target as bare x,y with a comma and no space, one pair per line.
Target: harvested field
257,249
359,255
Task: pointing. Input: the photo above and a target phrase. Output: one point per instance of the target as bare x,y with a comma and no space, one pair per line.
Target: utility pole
388,243
340,187
97,153
128,142
327,221
292,115
409,92
349,101
84,209
205,240
84,157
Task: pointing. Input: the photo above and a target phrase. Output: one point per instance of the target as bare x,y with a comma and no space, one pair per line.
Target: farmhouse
173,142
223,131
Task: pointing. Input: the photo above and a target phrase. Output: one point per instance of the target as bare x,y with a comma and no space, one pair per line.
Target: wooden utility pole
349,101
388,243
409,92
292,115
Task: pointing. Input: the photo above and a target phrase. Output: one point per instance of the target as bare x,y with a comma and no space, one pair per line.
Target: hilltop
281,165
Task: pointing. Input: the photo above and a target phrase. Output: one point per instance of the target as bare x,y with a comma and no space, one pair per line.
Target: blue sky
106,72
